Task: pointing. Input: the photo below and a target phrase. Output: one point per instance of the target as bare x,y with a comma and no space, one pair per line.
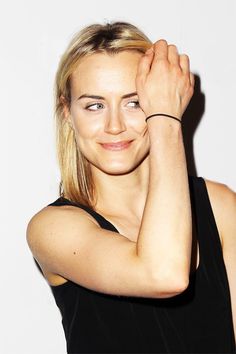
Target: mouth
118,146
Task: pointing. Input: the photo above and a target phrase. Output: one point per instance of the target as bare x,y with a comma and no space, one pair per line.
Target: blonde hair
76,178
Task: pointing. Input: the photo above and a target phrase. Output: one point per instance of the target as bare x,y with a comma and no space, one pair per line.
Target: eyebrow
128,95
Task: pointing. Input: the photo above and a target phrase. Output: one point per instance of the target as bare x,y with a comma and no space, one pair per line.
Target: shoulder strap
104,223
204,207
208,234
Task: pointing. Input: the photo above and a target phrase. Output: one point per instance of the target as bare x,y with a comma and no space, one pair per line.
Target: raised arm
67,241
165,85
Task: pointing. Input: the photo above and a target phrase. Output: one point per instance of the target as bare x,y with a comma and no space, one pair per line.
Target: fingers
192,79
161,49
173,55
170,53
157,51
184,63
185,66
145,63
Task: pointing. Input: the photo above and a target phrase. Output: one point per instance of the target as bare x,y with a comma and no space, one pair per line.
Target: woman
140,256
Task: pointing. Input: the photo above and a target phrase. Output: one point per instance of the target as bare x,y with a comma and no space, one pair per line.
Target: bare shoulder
223,202
48,222
54,219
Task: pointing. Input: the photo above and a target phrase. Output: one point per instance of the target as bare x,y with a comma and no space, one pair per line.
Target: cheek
136,122
140,127
85,129
85,126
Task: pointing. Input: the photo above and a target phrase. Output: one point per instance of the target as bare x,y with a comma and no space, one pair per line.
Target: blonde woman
140,256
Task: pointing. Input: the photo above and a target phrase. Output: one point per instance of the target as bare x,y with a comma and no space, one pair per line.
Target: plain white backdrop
34,35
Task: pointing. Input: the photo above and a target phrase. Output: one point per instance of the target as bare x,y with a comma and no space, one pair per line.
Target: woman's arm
165,85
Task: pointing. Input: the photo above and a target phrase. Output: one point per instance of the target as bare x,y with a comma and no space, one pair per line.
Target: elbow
170,286
179,286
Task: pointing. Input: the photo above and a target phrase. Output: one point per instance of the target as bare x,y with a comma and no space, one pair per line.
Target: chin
118,171
120,168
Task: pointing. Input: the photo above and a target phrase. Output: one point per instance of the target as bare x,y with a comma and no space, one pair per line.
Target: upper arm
224,206
66,241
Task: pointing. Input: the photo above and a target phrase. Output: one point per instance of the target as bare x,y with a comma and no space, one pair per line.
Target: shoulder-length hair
76,178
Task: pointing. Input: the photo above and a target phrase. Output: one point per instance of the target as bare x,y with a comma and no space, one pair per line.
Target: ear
66,110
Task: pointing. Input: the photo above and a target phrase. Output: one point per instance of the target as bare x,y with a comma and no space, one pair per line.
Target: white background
33,35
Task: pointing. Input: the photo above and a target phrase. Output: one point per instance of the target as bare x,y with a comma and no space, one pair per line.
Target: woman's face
109,125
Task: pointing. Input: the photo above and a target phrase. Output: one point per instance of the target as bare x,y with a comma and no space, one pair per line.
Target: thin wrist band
163,114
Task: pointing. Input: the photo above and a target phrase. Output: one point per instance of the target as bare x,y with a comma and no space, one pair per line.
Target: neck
122,194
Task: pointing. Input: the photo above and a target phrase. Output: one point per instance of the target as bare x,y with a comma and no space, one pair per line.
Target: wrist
163,129
175,111
163,115
163,123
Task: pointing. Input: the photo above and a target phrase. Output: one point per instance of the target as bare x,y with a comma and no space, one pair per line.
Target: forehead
103,70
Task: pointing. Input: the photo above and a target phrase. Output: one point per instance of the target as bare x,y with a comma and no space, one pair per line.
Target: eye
94,107
134,104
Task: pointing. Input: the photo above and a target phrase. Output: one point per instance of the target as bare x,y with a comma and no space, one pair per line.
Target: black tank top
199,320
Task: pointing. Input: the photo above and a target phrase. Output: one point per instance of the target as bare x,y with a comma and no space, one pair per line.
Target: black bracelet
163,114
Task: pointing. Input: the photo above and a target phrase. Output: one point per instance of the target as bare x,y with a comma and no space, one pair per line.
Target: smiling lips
121,145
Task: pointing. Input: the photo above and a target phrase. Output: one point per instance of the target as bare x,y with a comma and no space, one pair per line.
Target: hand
164,82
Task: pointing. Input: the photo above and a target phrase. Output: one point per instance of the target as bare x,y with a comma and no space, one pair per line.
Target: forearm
164,241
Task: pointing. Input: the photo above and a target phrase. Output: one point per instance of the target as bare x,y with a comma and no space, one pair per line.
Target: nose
114,123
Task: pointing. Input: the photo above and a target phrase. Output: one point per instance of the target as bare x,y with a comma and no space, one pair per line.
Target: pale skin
136,185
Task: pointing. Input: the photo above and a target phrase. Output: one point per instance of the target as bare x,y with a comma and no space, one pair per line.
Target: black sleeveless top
199,320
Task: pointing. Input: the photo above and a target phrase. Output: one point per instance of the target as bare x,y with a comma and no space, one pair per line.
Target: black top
197,321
